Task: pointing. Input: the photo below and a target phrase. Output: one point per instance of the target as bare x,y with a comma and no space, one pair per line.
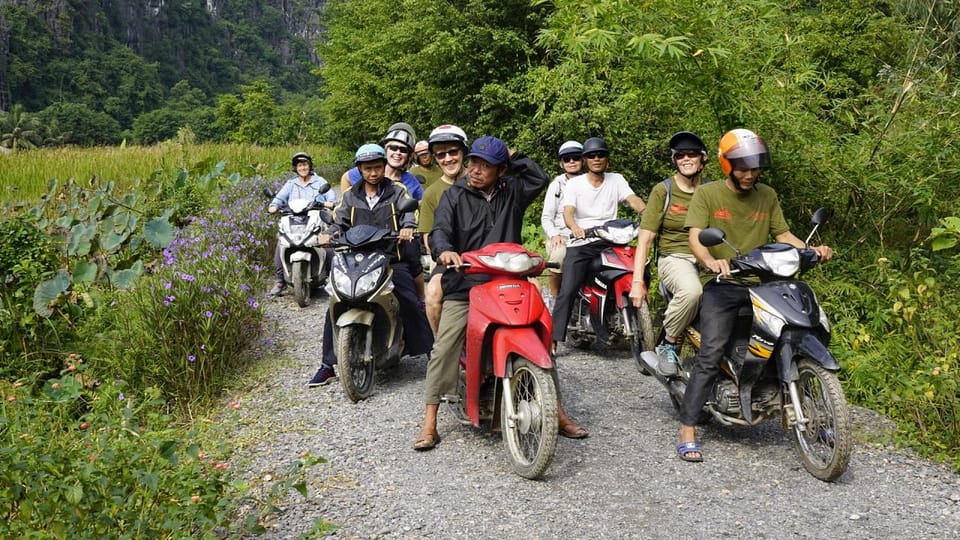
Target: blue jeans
718,314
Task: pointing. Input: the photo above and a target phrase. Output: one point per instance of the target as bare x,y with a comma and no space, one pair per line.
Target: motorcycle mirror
711,236
820,216
324,187
407,205
268,193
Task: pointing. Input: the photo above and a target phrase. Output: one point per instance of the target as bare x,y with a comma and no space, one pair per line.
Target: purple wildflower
191,358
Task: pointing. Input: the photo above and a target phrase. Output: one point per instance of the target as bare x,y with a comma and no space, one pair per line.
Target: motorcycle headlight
341,283
784,263
618,235
511,262
367,282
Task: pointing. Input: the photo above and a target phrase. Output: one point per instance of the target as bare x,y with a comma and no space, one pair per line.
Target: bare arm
575,230
638,291
636,203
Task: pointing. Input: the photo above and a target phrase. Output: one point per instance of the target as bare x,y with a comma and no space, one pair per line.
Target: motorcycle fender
520,341
300,256
805,344
355,316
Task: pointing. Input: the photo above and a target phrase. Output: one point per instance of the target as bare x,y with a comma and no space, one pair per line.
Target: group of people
472,195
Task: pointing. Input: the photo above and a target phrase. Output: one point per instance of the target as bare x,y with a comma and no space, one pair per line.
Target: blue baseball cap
490,149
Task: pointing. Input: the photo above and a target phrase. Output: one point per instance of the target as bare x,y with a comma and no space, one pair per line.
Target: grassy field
24,175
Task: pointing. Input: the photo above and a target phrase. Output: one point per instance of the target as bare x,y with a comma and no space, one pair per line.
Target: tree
18,129
250,117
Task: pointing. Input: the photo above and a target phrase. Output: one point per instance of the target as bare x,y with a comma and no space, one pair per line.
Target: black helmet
686,140
301,156
595,144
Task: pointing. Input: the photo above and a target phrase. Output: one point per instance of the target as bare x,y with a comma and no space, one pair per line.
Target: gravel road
624,481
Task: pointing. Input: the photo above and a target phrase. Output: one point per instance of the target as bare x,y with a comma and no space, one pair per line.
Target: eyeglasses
397,148
596,155
571,158
680,154
453,152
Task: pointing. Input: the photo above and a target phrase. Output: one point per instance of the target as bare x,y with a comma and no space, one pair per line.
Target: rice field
24,175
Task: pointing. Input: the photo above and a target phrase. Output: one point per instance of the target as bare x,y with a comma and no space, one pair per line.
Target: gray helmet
570,148
402,133
595,144
301,156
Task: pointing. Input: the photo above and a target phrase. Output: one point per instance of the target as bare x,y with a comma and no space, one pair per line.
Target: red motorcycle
604,311
506,373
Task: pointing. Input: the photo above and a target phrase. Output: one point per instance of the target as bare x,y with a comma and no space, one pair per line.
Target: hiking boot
277,289
325,375
669,364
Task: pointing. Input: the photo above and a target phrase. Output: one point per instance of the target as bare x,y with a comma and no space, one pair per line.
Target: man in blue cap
484,207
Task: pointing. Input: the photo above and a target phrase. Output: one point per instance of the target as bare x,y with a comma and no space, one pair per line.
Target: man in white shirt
590,199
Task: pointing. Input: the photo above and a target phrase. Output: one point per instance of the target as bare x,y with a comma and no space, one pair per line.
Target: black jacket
354,210
465,220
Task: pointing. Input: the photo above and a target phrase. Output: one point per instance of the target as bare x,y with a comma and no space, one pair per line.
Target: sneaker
277,289
325,375
669,364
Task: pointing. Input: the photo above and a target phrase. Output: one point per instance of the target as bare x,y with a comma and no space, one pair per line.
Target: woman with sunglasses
399,143
677,268
571,161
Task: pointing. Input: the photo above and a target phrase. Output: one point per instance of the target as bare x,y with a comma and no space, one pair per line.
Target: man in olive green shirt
749,213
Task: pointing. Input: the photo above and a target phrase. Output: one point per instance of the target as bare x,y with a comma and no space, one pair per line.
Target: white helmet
447,133
570,147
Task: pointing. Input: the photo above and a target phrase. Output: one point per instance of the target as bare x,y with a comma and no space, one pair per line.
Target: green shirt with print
673,235
748,219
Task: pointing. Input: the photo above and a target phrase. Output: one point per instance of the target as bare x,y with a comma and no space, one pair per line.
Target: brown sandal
426,441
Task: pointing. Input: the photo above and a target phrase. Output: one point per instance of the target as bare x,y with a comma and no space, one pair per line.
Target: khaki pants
443,369
678,273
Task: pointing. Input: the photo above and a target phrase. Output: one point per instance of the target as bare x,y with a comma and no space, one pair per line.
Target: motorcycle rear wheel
826,443
356,372
642,338
531,435
301,283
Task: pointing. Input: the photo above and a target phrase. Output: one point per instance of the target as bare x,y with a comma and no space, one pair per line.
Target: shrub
184,326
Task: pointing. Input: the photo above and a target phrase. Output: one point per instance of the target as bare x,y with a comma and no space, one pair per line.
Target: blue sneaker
325,375
669,365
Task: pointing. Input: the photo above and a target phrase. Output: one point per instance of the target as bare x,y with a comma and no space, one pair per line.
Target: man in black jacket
486,206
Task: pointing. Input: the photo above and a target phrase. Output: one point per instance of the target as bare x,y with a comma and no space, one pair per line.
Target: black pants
719,307
417,334
575,266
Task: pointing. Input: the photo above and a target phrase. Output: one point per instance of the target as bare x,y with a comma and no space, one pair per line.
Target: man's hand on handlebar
824,252
450,258
718,266
405,235
323,239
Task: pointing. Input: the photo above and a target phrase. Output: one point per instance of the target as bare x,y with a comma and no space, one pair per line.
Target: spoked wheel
642,338
827,440
530,435
356,368
301,283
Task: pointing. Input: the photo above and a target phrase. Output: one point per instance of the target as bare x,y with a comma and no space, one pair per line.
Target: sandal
685,449
573,430
427,441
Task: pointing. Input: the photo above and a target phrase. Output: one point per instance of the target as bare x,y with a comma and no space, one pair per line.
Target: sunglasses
453,152
680,154
396,148
568,159
596,155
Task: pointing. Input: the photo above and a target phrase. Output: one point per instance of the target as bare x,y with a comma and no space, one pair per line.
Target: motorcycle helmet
301,156
369,152
686,140
421,148
447,133
402,133
595,144
570,148
742,149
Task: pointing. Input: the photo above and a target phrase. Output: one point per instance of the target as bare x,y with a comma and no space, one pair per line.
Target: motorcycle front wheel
356,371
531,434
827,440
301,283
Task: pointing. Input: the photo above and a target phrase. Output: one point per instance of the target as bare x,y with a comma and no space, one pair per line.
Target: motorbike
303,259
604,311
506,372
777,363
364,311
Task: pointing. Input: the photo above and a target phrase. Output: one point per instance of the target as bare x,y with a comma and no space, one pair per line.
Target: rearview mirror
711,236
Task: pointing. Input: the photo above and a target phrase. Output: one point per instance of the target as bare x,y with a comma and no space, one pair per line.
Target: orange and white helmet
742,149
